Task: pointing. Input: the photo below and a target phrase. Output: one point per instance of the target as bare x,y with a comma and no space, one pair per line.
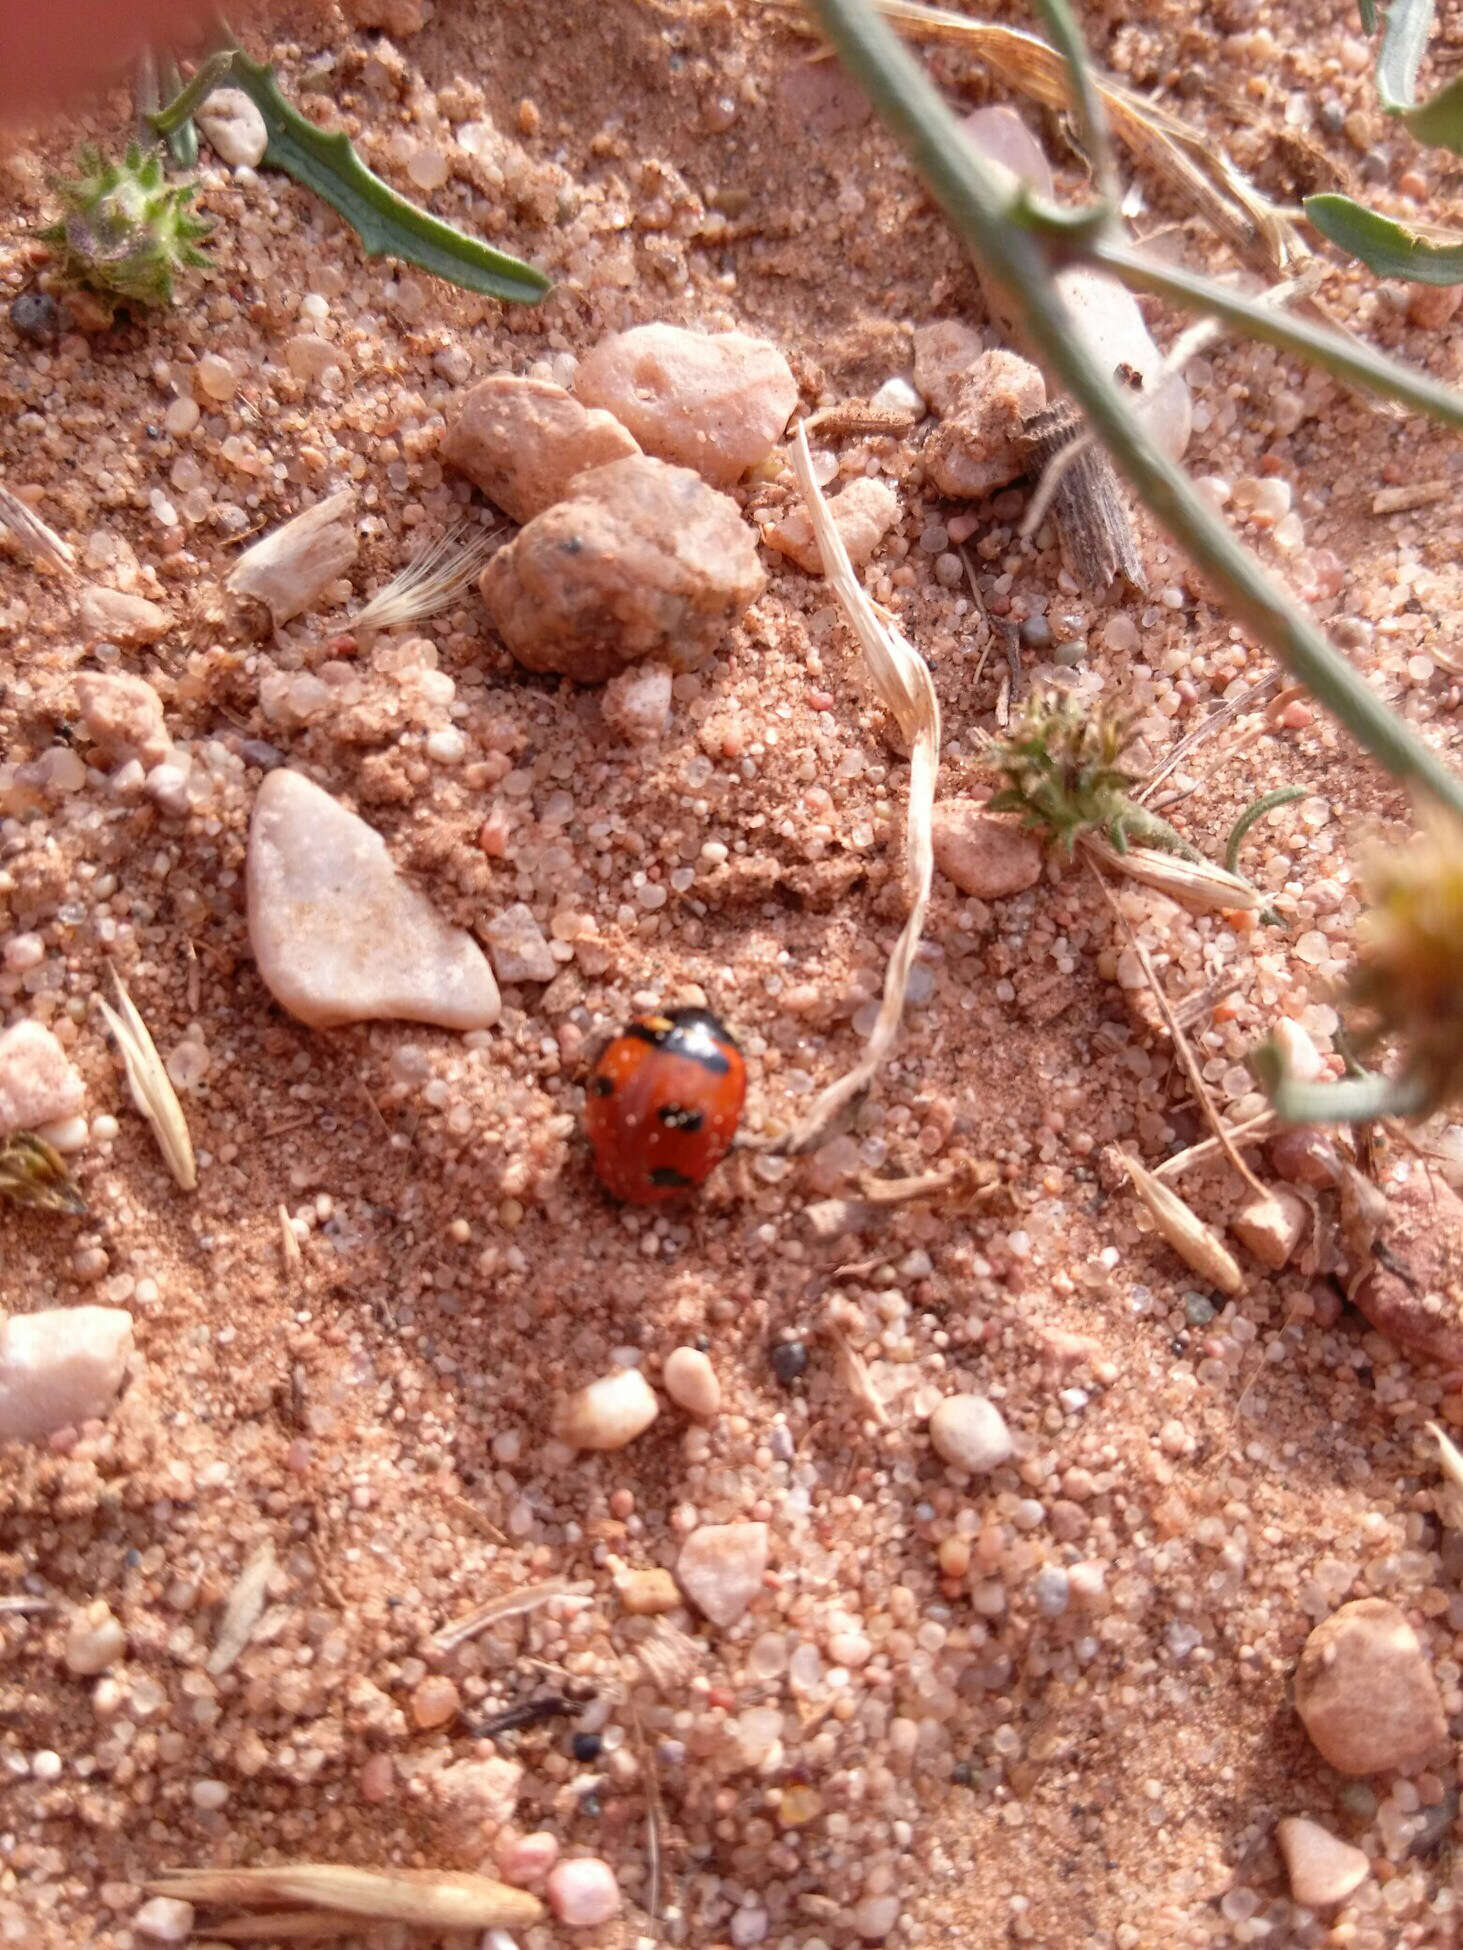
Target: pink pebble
524,1859
583,1892
378,1778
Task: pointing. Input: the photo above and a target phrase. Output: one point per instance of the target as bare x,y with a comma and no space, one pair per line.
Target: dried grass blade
431,582
509,1604
1253,1131
243,1609
427,1899
1194,1242
903,684
1203,888
151,1087
31,535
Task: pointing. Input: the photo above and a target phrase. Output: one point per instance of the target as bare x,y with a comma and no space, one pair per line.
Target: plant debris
509,1604
1086,501
425,1899
151,1087
34,1173
23,527
430,582
1195,1243
242,1611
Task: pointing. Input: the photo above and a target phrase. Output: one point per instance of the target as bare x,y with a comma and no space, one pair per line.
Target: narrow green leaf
387,225
1368,16
1439,120
183,141
1383,245
1404,42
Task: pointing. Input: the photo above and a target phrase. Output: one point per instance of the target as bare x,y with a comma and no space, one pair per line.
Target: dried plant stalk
1194,1242
509,1604
1086,499
31,535
151,1087
903,685
431,582
426,1899
1253,1131
243,1610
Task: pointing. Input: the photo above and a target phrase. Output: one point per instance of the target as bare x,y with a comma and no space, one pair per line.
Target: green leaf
387,225
1404,42
1368,16
1383,245
1439,120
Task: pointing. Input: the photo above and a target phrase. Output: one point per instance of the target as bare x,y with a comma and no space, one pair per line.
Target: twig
1253,1131
1236,707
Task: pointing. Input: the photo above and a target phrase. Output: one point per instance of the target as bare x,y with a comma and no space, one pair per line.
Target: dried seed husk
291,565
243,1610
1199,886
1086,501
426,1899
1448,1499
285,1926
151,1086
1198,1245
430,582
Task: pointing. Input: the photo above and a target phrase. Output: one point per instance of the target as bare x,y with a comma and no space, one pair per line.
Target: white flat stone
60,1367
720,1569
338,935
37,1082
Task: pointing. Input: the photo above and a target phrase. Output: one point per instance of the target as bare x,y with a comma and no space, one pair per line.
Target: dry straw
1194,1242
430,582
902,683
31,535
150,1084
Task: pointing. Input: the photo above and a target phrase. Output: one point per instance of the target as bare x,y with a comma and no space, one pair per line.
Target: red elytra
662,1104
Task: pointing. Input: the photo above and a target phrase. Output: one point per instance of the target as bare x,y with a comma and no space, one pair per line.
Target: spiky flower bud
124,230
1061,764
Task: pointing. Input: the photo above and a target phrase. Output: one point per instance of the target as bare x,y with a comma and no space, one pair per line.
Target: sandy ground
902,1715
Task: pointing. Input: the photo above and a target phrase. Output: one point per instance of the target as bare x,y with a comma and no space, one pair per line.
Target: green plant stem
1345,358
1354,1100
1136,822
1087,108
210,75
973,199
1283,795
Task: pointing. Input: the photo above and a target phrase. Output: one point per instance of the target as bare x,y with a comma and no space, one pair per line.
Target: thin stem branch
212,74
1087,109
974,200
1343,357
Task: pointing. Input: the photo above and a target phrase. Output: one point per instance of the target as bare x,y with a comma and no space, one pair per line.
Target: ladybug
662,1105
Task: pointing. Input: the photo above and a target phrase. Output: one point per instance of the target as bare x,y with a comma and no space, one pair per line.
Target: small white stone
208,1796
114,616
1322,1869
875,1917
583,1892
691,1383
38,1084
899,395
234,127
863,513
1299,1055
970,1433
60,1366
165,1920
1272,1227
518,946
94,1640
608,1413
637,703
123,715
720,1569
338,935
23,952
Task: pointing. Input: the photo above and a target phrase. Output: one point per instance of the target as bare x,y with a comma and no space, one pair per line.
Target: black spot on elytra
676,1117
666,1176
602,1087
